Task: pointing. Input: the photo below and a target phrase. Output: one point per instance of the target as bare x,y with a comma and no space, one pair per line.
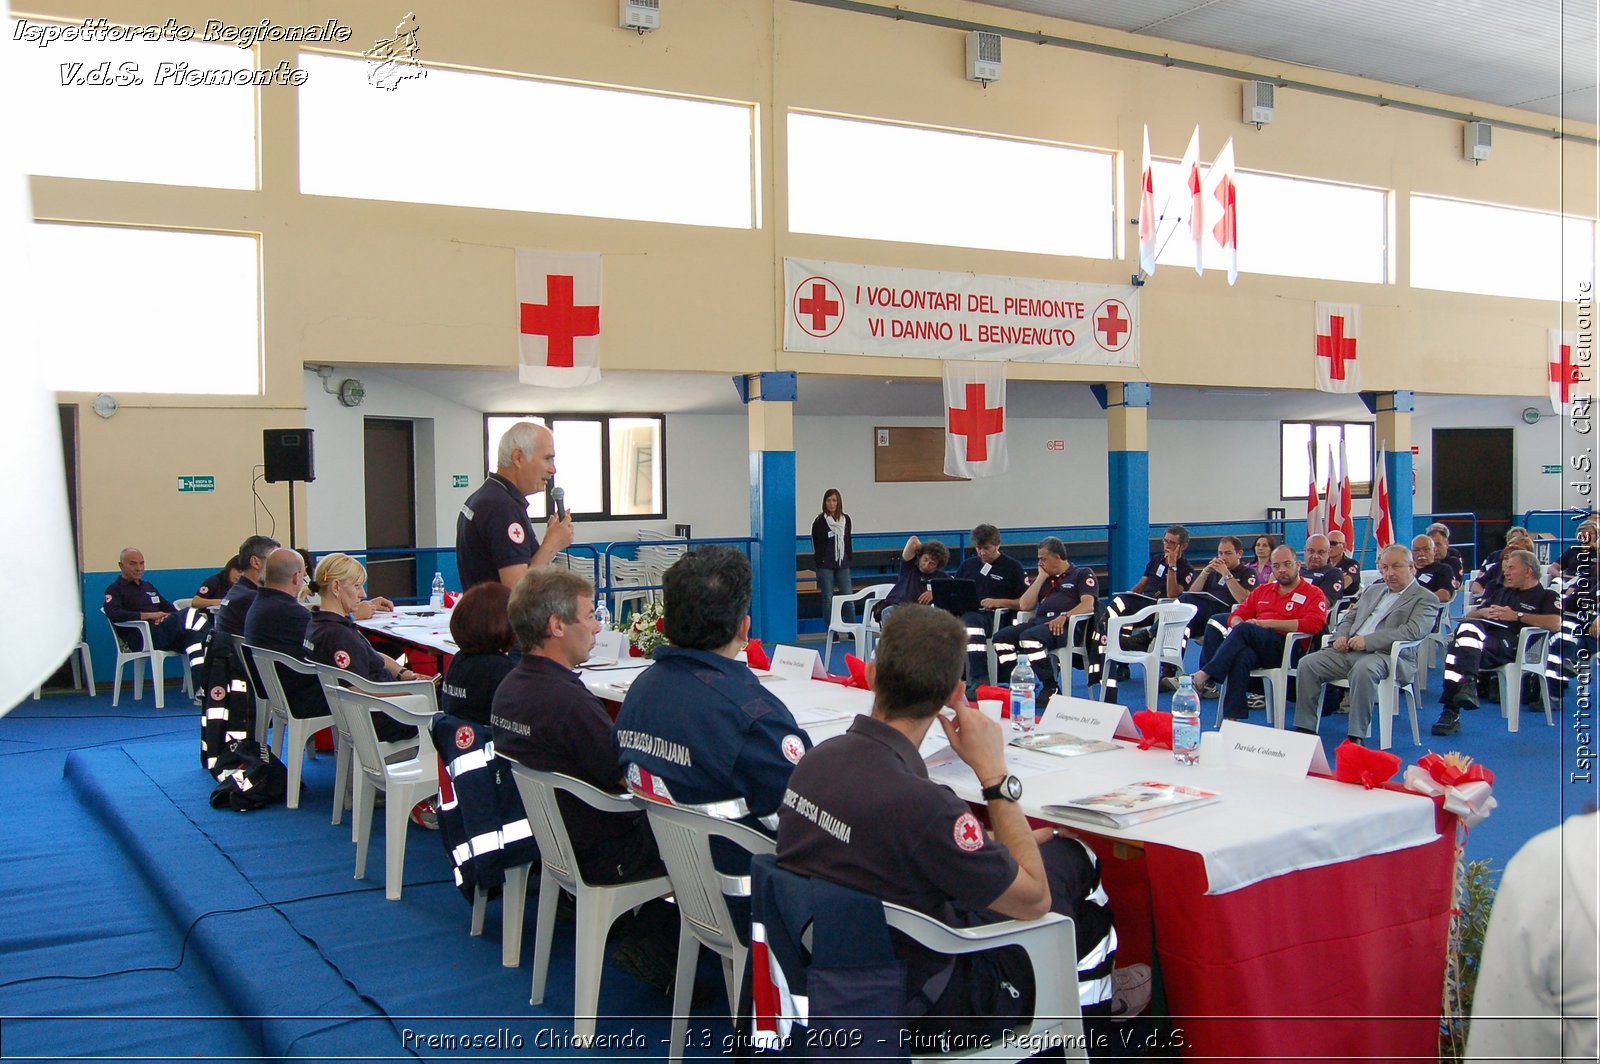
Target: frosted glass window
146,310
1288,226
879,181
1499,251
520,144
146,125
1295,464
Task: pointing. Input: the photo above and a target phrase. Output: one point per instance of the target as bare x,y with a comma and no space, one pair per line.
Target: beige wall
365,282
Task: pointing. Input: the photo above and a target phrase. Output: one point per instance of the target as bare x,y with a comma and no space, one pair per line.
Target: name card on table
1087,719
609,645
1282,753
795,663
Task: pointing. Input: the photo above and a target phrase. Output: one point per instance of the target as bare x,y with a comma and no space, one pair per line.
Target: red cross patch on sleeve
464,738
968,832
516,533
341,658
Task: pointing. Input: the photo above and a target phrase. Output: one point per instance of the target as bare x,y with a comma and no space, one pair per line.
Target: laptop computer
956,595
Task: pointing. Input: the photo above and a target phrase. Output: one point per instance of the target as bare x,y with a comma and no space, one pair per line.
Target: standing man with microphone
494,538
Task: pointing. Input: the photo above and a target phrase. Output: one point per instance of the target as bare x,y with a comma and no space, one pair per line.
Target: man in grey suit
1395,609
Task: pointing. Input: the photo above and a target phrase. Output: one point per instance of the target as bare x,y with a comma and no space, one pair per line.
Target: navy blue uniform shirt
236,606
214,586
1058,594
1438,576
493,532
1216,586
703,725
470,683
1155,575
276,621
1352,571
1329,579
125,600
1006,578
911,583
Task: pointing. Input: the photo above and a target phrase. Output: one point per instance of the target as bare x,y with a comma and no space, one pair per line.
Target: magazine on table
1133,803
1062,744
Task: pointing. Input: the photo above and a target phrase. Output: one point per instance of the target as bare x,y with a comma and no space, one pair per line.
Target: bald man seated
133,598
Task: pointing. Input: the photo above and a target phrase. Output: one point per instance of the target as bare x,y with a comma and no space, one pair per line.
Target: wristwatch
1009,788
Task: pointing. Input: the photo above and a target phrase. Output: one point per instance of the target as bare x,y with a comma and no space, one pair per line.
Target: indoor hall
338,262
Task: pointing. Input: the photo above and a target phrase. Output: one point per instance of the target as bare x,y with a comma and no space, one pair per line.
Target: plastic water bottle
1023,687
1186,723
602,613
436,600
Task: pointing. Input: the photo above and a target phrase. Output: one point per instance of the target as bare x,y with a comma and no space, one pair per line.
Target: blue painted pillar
769,406
1392,411
1127,408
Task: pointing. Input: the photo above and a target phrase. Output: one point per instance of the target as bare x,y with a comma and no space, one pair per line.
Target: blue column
1398,469
769,406
1129,487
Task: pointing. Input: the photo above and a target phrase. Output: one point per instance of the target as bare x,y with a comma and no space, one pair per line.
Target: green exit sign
1553,469
196,483
460,480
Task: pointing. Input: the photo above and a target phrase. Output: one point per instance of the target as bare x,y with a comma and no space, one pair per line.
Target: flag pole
1372,495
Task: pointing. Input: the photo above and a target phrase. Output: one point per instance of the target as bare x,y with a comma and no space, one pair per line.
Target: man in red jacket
1256,630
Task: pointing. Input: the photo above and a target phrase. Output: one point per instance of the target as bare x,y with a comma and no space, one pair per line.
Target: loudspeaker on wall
287,454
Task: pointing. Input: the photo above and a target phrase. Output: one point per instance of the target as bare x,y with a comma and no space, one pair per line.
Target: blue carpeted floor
142,923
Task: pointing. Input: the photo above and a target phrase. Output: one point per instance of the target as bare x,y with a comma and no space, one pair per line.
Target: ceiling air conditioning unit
1258,102
641,15
983,56
1475,141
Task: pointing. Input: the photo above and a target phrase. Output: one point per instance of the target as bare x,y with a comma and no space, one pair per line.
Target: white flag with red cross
975,418
1338,330
558,318
1224,208
1189,175
1569,379
1147,211
1378,515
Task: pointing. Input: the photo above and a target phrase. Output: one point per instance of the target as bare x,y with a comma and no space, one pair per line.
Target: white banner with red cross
1569,375
848,308
974,419
558,318
1338,330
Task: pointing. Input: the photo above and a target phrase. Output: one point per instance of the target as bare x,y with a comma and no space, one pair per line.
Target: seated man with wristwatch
909,840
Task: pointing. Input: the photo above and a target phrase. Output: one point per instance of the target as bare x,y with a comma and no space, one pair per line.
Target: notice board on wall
908,453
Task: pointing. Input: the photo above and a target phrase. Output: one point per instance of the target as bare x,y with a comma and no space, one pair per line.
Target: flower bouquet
646,628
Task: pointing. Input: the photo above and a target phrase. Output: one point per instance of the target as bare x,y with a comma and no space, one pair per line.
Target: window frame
1359,489
604,420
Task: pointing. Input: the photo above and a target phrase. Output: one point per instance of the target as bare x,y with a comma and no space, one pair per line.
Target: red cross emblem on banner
1336,347
559,320
1561,373
1111,320
817,302
977,423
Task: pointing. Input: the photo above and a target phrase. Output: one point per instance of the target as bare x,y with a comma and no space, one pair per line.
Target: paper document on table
946,766
810,716
1061,744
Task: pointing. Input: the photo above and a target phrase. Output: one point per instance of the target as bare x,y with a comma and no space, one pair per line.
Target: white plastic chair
294,731
405,781
156,658
874,627
627,580
683,835
1276,679
1071,655
1166,644
1434,645
82,670
598,905
416,695
856,631
1532,645
1389,692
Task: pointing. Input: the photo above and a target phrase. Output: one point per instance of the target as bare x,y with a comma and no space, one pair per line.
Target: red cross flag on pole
1147,211
975,418
1219,179
1314,523
1378,515
1347,521
1338,329
1568,379
558,318
1189,174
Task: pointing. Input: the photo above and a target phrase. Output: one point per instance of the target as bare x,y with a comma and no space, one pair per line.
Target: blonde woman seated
341,584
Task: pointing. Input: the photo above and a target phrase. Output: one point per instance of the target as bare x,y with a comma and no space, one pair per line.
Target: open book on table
1133,803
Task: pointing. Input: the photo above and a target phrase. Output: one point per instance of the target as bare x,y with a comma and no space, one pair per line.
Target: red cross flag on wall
558,318
1569,376
1338,329
975,418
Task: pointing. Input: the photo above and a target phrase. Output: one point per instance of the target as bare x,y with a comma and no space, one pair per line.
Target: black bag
249,777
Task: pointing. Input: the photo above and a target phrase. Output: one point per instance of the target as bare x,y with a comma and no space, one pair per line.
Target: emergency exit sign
459,480
197,483
1553,469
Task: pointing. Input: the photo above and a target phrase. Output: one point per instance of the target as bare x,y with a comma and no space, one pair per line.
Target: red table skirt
1343,962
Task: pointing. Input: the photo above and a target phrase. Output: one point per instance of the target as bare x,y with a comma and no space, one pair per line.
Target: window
880,181
78,113
520,144
1289,227
1356,436
608,466
146,310
1498,251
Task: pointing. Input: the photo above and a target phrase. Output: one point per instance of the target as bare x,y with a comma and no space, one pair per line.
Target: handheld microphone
559,497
